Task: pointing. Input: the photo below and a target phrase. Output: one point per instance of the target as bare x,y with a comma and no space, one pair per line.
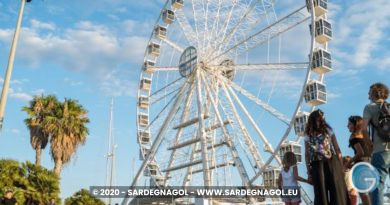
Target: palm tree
83,197
32,185
39,108
67,128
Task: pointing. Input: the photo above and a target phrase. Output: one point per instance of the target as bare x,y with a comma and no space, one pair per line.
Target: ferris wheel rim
298,103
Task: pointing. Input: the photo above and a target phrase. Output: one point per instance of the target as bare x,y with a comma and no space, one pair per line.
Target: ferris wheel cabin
320,7
148,66
300,123
160,32
315,93
322,61
168,16
143,153
294,147
144,137
157,181
323,32
154,49
143,119
146,84
270,177
151,169
177,4
143,102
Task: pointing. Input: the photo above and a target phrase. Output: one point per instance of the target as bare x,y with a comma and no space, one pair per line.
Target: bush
31,184
83,197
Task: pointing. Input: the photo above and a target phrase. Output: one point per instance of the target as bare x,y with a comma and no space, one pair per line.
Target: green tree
39,108
67,128
83,197
31,184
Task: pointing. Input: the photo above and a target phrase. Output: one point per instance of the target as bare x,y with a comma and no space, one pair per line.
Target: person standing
288,178
8,198
361,146
324,162
377,94
352,194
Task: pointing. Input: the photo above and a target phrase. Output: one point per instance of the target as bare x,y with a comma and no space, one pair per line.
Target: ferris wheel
221,90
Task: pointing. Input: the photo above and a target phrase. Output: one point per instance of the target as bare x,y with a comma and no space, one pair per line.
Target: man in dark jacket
8,198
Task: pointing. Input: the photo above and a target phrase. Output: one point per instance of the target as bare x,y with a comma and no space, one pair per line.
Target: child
351,191
361,146
288,178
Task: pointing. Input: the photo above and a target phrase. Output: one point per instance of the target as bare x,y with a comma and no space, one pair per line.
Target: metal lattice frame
201,126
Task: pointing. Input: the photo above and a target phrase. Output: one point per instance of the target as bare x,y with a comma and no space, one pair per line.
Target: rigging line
165,107
158,99
267,28
173,82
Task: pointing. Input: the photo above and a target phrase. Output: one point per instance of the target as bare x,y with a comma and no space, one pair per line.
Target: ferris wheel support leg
248,140
188,174
241,170
158,140
257,129
180,131
202,134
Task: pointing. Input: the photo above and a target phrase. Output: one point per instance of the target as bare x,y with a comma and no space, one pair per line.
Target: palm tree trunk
58,167
38,152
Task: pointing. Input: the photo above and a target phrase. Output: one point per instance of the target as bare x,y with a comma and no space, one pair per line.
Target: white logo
364,177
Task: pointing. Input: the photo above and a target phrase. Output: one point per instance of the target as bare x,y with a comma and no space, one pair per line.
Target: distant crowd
327,170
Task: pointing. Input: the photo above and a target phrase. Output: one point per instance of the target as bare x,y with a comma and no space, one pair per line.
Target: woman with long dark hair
324,162
361,146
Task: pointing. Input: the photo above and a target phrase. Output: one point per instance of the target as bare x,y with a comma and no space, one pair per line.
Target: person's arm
280,181
337,148
366,120
359,152
297,177
307,159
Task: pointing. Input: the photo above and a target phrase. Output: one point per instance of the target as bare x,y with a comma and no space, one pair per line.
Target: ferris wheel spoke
231,33
284,24
195,18
157,98
163,69
227,137
179,133
268,66
202,134
186,27
248,140
173,45
214,28
251,120
259,102
225,27
172,83
159,137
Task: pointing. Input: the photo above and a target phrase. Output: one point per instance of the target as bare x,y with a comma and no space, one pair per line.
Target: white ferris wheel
222,96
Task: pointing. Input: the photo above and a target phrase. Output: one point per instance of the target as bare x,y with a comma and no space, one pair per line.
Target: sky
93,50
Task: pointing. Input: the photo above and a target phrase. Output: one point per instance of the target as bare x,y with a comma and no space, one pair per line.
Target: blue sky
92,50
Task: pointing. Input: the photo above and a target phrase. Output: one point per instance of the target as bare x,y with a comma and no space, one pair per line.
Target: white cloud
15,131
35,24
91,48
38,92
361,29
19,94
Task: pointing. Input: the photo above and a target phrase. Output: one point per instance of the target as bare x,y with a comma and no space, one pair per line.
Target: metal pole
10,65
202,134
158,140
184,117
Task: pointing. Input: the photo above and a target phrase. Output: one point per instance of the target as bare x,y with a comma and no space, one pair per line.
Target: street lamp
10,65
